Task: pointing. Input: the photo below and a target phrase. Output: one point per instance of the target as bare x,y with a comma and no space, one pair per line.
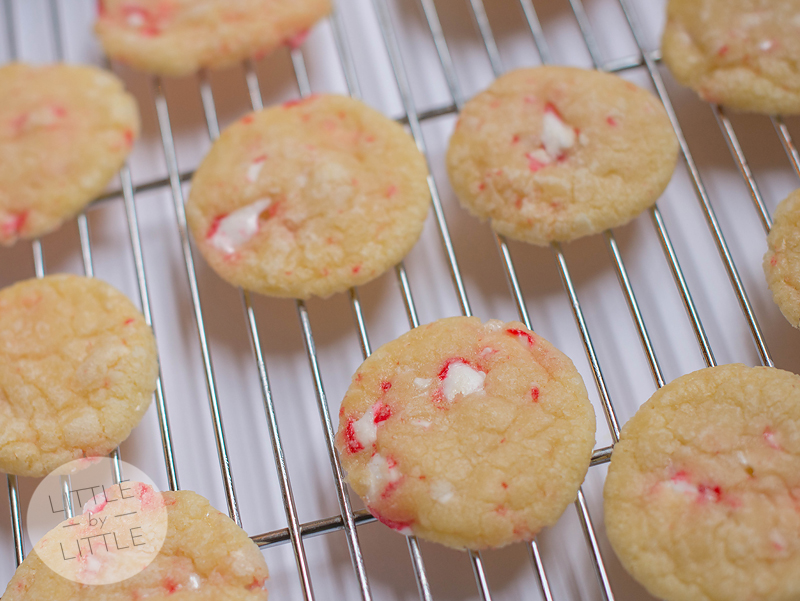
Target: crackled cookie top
205,557
740,53
782,260
556,153
702,496
178,37
309,198
65,130
467,434
78,368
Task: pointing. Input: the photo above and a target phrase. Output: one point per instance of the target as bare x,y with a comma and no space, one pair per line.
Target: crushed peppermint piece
382,473
254,168
557,136
462,379
238,227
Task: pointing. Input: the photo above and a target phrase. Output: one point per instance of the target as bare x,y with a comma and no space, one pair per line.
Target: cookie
556,153
205,556
739,53
308,198
78,367
65,130
782,260
702,498
179,37
467,434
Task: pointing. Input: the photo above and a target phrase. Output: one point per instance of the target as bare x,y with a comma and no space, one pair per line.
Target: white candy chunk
238,227
92,564
254,169
96,504
422,383
462,379
442,491
380,474
540,155
766,45
557,136
422,423
365,429
194,581
135,19
682,486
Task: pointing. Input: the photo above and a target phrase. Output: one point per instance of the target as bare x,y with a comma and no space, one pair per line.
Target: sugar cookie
65,130
78,368
702,498
205,557
556,153
739,53
179,37
782,260
309,198
467,434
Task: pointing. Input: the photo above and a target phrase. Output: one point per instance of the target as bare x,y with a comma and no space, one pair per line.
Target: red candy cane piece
353,444
399,526
13,224
522,335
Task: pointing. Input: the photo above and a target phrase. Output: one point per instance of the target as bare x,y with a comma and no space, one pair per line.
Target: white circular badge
116,530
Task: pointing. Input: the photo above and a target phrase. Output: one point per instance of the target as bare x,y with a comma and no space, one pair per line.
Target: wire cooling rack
683,288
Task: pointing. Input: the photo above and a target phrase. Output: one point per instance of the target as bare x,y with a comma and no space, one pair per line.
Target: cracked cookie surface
179,37
556,153
205,557
739,53
468,434
78,368
309,198
65,130
702,498
782,260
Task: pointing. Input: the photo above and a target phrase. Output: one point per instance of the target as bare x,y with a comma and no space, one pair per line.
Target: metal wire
171,158
702,194
144,300
353,545
443,51
741,162
212,122
666,242
351,79
788,144
404,89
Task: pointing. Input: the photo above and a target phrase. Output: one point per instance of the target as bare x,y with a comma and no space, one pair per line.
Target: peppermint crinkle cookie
205,557
179,37
467,434
78,367
782,260
65,130
740,53
309,198
556,153
702,498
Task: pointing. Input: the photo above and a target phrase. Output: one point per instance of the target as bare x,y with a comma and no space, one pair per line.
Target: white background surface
624,365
